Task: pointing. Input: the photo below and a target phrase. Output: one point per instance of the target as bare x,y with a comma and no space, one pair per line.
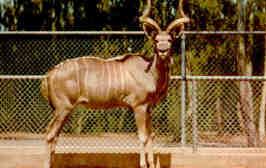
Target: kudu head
162,39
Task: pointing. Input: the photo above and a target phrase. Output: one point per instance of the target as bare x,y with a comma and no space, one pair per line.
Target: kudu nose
162,47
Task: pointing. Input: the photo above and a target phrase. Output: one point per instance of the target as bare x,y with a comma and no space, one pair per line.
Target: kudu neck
159,66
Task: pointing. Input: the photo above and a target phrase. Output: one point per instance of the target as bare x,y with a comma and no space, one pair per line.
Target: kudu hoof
152,166
158,164
143,165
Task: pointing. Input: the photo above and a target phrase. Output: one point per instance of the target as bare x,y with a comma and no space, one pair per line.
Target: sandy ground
105,151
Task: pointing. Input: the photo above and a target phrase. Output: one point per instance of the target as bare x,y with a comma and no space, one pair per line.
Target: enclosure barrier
202,108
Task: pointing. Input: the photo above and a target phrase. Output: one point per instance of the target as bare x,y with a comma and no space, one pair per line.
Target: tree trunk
191,113
247,112
246,95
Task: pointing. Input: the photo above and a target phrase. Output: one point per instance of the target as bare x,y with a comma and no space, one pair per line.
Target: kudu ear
150,30
150,27
176,31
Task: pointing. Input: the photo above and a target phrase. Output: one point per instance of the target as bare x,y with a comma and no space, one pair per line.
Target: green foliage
123,14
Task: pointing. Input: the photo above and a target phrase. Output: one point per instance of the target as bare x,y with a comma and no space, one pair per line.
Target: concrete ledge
31,154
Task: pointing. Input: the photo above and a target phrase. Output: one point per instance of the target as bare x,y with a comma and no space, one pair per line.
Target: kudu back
129,80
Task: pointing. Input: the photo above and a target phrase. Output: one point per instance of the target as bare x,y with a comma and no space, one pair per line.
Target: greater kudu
125,81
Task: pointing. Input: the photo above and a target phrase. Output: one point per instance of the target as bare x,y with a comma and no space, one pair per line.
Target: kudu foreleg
149,149
143,122
53,131
50,149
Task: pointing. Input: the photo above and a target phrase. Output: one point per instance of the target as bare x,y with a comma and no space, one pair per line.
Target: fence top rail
72,33
238,78
225,32
127,33
18,77
173,77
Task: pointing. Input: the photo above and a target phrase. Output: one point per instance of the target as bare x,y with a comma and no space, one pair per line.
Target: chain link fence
216,105
211,113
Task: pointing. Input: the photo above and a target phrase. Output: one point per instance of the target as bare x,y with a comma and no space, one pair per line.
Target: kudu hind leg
56,124
142,117
53,131
50,145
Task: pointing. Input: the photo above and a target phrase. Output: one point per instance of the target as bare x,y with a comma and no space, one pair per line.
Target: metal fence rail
201,108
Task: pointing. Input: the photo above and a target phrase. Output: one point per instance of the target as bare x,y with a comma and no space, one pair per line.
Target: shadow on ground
103,161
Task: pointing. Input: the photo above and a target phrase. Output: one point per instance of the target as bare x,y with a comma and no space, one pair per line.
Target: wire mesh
34,55
217,105
218,53
214,105
25,111
22,107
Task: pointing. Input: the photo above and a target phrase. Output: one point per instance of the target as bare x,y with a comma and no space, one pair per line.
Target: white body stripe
86,82
114,81
108,79
122,79
76,67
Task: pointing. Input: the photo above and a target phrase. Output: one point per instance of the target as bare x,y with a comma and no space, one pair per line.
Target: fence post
194,117
183,90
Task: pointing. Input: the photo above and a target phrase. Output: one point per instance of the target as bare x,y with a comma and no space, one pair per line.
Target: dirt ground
30,153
